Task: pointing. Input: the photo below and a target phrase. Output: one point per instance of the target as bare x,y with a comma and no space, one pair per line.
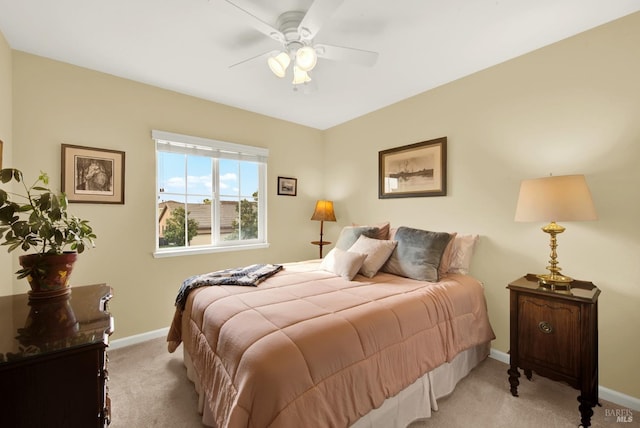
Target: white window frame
186,144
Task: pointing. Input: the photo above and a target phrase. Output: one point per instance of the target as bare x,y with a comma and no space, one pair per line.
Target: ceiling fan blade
352,55
264,56
250,19
317,14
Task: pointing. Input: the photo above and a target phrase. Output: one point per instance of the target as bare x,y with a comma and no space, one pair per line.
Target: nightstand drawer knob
545,327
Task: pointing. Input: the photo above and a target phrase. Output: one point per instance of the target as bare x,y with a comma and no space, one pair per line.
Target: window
211,195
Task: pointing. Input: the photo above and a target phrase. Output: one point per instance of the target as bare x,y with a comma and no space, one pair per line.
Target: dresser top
34,328
582,291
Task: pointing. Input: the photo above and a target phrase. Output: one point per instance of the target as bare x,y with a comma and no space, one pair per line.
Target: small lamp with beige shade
323,212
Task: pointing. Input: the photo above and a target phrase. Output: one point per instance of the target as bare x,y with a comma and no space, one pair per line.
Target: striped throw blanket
248,276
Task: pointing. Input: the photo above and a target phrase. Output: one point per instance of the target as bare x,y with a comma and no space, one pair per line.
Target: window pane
171,173
171,223
199,183
229,220
249,219
241,219
199,221
229,185
248,178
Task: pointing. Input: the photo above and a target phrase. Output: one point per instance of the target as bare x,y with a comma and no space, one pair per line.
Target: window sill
206,250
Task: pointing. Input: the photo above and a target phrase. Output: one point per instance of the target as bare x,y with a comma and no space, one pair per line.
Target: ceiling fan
295,31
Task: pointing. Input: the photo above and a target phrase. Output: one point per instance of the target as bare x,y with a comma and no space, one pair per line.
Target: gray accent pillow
350,234
417,254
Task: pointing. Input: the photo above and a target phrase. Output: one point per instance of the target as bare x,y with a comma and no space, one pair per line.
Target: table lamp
555,198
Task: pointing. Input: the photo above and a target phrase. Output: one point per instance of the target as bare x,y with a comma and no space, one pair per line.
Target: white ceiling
188,45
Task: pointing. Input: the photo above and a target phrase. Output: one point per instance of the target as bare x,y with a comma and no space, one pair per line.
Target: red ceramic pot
50,273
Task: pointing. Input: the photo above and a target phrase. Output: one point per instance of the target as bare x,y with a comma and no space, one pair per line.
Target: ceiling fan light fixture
306,58
279,63
300,76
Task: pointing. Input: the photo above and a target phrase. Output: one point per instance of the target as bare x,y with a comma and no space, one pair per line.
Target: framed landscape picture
414,170
287,186
93,175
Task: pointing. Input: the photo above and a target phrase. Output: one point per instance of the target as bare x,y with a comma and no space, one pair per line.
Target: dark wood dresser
555,334
53,362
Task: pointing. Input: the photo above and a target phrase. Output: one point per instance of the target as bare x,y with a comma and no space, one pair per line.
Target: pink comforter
307,348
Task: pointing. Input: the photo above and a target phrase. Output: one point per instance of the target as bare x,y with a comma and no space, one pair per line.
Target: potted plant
38,220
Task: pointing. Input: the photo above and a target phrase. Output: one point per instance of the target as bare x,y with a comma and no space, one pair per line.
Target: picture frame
93,175
1,154
287,186
414,170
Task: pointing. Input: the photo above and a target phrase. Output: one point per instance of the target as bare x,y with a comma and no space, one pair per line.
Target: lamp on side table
323,212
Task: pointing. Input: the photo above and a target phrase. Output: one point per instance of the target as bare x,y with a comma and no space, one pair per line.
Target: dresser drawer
549,334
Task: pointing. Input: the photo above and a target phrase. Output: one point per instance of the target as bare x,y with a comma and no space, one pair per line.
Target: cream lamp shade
552,199
279,63
561,198
300,76
306,58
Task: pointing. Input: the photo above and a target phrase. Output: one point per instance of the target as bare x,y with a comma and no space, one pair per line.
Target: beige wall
57,103
570,108
6,137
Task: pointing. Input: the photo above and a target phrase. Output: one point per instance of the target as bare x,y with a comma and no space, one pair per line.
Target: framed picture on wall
414,170
93,175
287,186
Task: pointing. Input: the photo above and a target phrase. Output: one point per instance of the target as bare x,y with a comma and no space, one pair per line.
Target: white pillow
377,251
463,248
343,263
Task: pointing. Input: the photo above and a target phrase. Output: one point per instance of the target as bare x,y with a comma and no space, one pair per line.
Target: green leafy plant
38,219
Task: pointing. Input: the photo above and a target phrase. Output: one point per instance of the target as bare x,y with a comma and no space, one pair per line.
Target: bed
358,339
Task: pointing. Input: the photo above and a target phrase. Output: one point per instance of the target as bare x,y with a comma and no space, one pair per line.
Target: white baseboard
503,357
138,338
605,393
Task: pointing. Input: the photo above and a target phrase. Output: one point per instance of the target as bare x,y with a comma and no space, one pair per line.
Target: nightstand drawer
549,334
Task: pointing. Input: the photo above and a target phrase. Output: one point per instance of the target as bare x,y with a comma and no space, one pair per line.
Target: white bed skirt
412,403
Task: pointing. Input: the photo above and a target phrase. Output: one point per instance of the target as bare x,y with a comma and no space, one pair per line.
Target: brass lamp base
555,282
554,279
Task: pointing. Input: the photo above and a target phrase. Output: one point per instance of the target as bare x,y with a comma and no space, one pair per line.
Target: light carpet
149,388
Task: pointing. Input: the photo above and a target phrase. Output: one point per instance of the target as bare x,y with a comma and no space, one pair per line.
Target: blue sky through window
238,180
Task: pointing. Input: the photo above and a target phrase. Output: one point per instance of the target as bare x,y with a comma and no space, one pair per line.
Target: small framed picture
92,175
287,186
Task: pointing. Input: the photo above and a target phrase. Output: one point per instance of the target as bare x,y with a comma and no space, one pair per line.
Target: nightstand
555,334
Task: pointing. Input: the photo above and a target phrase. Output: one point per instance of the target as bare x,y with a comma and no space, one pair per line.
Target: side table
555,334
